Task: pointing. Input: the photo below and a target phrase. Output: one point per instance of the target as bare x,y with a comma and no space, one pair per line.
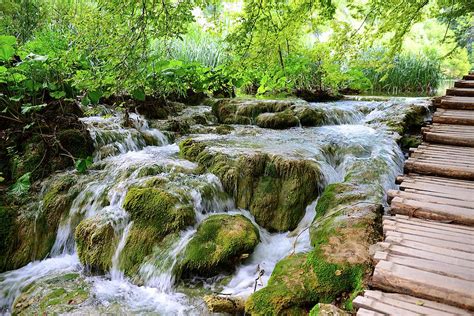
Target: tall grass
195,46
409,73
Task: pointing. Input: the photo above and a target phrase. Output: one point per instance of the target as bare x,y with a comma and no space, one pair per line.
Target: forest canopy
179,48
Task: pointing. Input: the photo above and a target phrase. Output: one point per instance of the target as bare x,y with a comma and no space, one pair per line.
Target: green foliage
21,186
83,164
407,73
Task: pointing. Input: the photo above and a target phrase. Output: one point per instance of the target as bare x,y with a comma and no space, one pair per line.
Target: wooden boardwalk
425,265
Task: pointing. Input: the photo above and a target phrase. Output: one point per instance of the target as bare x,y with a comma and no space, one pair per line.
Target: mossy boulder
274,188
156,213
158,208
96,243
32,227
276,114
310,117
219,243
300,281
279,120
53,295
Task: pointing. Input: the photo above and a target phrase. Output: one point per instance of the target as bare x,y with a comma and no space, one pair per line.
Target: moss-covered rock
96,243
156,213
219,244
310,117
33,230
279,120
158,208
298,281
53,295
277,114
275,189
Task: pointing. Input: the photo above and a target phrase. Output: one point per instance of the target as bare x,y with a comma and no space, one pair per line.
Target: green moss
218,244
224,129
310,117
303,280
140,243
158,208
34,229
276,190
156,213
7,235
279,120
96,243
52,295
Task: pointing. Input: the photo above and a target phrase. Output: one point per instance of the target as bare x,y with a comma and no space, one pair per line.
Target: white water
124,152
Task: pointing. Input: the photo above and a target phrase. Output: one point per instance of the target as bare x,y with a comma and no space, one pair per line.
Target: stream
132,156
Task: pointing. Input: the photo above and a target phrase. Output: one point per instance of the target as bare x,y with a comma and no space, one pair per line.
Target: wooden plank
458,140
428,222
430,198
462,92
459,161
468,77
417,302
446,171
419,250
393,277
446,148
438,180
423,227
399,235
368,303
455,192
434,211
459,103
464,84
366,312
416,222
453,120
446,269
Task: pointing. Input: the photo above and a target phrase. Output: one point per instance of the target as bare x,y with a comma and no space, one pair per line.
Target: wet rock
219,244
310,117
96,243
156,213
402,117
347,222
158,208
53,295
279,120
327,310
224,304
301,280
275,189
276,114
32,229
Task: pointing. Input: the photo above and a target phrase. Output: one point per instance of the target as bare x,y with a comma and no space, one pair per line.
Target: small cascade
12,282
136,155
115,272
159,272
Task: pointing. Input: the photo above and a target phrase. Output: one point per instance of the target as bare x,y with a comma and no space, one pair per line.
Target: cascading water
124,157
